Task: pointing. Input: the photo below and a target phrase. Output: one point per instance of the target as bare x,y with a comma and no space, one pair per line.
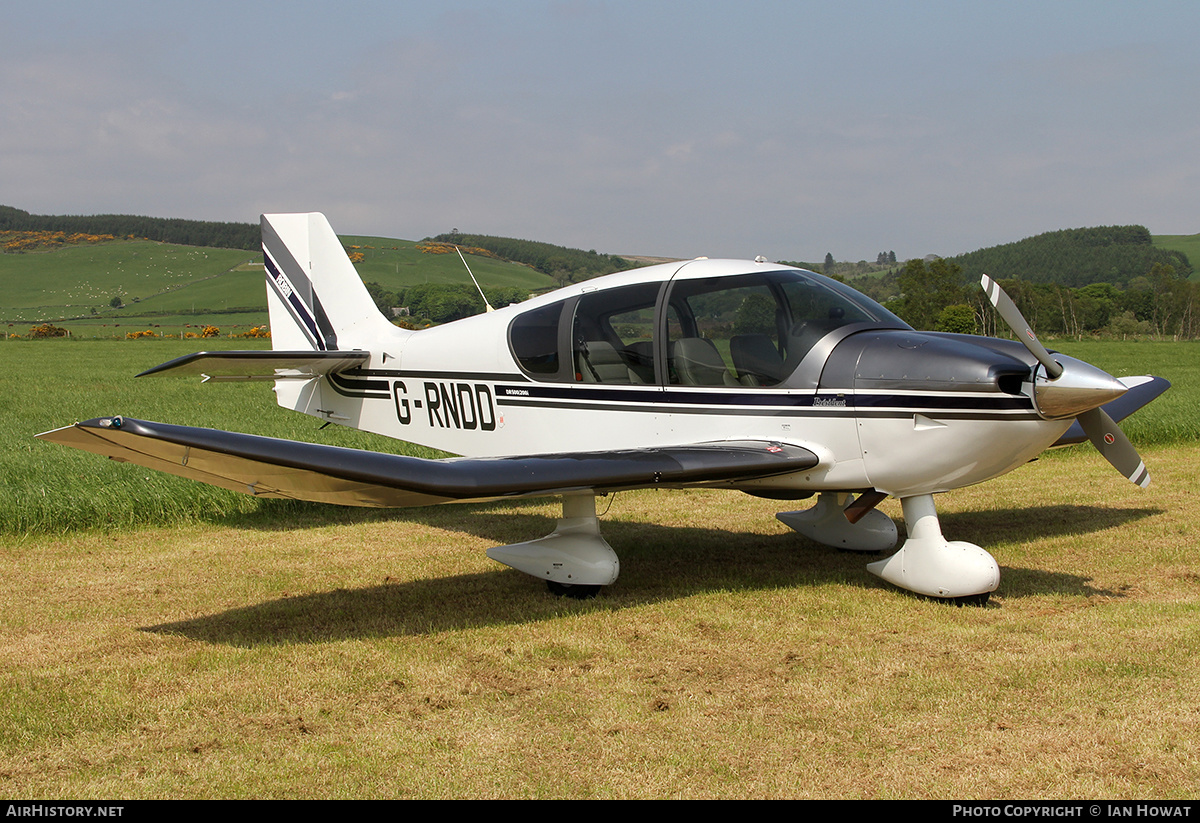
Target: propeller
1007,309
1073,388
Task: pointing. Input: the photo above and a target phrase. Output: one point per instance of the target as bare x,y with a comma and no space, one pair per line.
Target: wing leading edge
269,467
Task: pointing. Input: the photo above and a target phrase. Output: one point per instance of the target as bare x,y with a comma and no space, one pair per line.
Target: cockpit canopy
747,329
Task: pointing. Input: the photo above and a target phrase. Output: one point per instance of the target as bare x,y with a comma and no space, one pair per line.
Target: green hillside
165,284
560,262
82,280
397,264
1188,244
1075,257
172,285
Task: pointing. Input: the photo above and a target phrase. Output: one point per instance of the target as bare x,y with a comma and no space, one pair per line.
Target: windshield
755,329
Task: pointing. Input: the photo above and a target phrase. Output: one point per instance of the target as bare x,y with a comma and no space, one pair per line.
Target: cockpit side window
754,329
612,336
729,332
741,330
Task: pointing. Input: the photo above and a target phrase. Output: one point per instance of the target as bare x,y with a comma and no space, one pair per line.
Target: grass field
176,285
159,638
396,264
73,280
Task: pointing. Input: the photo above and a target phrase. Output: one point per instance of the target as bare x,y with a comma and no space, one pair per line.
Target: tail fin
316,299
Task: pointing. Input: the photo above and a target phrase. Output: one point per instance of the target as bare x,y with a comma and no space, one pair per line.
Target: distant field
1189,244
186,284
1172,418
74,280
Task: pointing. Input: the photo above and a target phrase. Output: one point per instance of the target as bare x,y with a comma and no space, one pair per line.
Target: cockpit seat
598,361
698,363
757,361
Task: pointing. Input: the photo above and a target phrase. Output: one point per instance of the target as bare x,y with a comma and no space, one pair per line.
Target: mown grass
319,652
387,657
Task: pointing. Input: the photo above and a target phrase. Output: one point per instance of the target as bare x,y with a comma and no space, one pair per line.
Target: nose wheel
928,564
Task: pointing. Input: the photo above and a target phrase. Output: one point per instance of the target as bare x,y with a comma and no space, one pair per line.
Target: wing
269,467
261,365
1141,391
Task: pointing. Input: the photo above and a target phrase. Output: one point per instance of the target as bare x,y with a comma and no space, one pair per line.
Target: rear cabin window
533,337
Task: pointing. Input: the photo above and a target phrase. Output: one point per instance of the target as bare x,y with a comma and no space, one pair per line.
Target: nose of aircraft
1064,386
1079,388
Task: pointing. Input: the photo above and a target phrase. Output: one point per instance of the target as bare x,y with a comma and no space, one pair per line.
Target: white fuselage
460,388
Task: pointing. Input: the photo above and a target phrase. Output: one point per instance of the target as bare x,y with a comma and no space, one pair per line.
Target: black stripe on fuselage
778,411
830,399
409,374
351,382
683,401
346,386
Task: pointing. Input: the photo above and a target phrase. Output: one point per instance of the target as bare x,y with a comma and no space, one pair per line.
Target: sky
681,129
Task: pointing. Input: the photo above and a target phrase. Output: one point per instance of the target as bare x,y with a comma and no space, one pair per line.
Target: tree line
159,229
936,295
1075,257
441,302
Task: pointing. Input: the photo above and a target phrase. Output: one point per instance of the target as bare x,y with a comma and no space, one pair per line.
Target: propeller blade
1016,321
1111,442
1105,435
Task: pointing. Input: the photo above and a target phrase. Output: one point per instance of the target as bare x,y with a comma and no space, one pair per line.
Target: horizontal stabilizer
261,365
1141,391
269,467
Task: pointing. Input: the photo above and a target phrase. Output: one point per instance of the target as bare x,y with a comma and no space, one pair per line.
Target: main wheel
571,590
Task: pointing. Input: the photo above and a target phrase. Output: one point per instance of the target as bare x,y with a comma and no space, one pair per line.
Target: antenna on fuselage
473,280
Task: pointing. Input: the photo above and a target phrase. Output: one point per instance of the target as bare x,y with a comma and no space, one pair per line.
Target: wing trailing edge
269,467
261,365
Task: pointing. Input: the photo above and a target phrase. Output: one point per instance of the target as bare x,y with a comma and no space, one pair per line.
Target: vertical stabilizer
316,298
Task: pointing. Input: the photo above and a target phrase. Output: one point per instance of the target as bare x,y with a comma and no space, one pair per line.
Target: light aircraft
744,375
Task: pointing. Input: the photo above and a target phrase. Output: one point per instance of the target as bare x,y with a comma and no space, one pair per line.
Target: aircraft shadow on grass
660,563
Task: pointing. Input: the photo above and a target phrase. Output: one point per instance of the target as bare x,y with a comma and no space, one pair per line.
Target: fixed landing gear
574,560
977,600
826,523
929,564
